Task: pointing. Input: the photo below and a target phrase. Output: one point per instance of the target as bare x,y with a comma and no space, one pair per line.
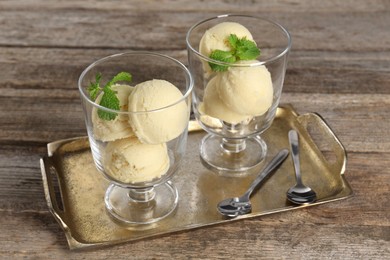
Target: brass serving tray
74,189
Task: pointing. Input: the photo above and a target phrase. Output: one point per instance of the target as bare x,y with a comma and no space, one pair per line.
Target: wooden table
339,67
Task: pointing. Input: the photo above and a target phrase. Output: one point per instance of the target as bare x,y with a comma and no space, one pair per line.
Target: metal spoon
236,206
299,194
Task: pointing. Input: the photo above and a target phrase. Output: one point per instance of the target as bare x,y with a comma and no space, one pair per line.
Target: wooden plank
125,28
338,72
32,71
332,6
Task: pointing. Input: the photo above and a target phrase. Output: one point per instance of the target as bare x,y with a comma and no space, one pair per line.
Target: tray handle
310,119
52,189
55,203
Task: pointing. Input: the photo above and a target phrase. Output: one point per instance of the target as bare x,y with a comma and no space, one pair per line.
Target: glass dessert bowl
136,107
238,63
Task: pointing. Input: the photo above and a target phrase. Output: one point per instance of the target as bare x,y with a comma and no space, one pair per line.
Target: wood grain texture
339,66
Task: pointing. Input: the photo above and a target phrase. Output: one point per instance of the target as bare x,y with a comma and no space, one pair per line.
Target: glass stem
233,145
142,195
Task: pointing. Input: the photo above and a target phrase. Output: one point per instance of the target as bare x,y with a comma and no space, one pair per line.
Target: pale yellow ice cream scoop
215,107
110,130
171,113
130,161
246,90
216,37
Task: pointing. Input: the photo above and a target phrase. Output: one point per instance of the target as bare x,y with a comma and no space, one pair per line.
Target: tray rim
73,243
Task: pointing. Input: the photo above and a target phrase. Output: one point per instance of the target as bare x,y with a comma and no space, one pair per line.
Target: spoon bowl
301,195
233,207
298,194
237,206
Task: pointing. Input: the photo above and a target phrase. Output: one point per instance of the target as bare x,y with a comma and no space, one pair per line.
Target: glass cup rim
259,63
149,53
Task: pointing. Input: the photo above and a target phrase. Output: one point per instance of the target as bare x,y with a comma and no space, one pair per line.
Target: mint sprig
225,56
241,49
109,98
94,87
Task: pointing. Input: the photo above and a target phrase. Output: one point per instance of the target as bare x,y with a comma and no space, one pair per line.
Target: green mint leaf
241,49
246,50
224,56
233,39
121,76
109,100
94,87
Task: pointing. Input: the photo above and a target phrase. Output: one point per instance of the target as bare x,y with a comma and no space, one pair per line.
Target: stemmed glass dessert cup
139,150
237,105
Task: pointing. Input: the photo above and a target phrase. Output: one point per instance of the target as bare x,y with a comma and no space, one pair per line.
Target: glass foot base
221,158
132,206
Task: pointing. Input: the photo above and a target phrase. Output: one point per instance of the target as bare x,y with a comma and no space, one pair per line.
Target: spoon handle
293,138
273,164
